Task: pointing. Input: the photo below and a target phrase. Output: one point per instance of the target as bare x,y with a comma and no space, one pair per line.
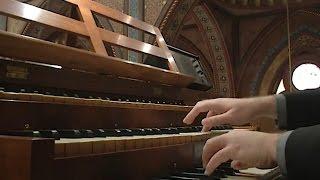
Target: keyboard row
88,95
92,133
223,171
66,147
94,101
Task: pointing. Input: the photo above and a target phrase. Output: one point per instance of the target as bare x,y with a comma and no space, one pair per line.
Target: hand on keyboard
246,149
232,111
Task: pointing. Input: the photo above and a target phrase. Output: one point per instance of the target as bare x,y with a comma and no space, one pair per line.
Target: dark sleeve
303,153
303,108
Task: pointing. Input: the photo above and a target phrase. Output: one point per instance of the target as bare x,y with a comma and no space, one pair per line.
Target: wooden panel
124,41
139,164
26,48
115,15
160,40
40,98
45,77
92,29
17,115
28,12
26,158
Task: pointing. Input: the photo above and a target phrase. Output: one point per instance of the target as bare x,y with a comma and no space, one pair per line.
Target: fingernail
206,173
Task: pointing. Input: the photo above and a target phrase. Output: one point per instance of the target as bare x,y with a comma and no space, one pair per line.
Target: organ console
69,113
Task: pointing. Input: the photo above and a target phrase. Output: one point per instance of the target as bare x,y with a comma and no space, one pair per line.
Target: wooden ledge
31,49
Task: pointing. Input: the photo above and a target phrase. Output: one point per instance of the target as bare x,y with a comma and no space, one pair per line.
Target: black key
119,132
139,132
112,132
69,133
99,133
166,131
169,131
215,174
12,89
156,131
56,93
198,170
226,164
86,133
185,129
215,128
149,131
227,126
227,170
222,127
50,134
25,133
195,129
198,128
22,90
126,132
182,178
195,175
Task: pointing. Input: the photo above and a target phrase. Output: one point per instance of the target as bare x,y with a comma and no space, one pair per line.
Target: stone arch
304,40
263,68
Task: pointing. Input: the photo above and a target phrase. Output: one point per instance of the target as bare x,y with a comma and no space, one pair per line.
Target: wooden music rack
27,48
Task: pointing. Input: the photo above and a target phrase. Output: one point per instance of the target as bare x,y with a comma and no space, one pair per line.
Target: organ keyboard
69,113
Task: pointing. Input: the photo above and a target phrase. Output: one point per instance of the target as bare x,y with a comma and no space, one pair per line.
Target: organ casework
75,105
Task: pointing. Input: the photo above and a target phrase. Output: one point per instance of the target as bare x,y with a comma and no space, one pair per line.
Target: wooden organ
69,113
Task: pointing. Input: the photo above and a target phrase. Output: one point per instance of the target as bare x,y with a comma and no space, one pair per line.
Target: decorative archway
264,67
193,22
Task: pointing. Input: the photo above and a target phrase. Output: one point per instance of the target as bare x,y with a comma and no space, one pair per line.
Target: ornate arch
263,69
171,20
305,38
220,59
192,21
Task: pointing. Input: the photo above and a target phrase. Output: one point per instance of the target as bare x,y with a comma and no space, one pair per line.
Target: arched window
281,87
304,76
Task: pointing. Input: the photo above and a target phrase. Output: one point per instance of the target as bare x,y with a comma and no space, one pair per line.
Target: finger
205,128
202,106
220,119
212,146
237,165
210,113
220,157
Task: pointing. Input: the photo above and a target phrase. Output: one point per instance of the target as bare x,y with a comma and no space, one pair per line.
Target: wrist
272,147
266,107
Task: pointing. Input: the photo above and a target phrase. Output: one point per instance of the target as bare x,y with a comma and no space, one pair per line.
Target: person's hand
245,148
232,111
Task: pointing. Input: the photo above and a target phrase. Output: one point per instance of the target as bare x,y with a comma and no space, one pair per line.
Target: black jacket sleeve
303,153
303,108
